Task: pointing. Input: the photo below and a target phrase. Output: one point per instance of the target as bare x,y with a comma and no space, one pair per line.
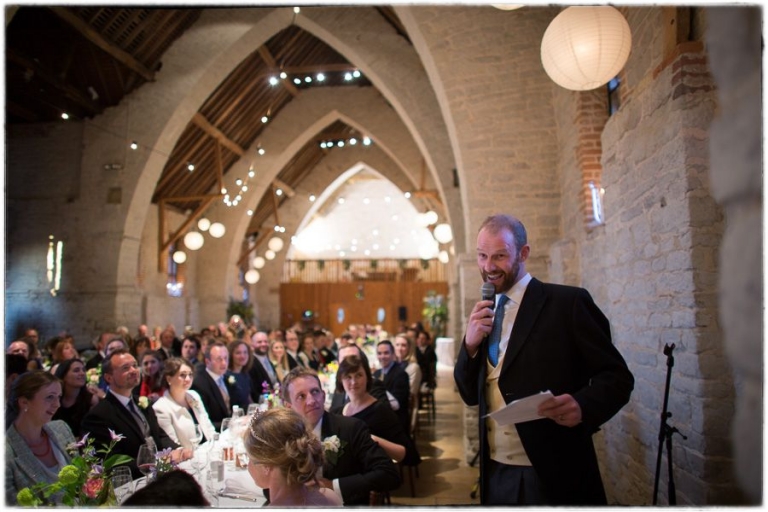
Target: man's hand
181,454
324,482
562,409
479,326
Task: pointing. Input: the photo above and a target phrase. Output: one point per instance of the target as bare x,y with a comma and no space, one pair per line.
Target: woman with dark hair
180,408
151,364
354,377
284,457
140,345
76,398
35,444
240,362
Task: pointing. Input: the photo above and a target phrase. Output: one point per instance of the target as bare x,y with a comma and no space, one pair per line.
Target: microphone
488,292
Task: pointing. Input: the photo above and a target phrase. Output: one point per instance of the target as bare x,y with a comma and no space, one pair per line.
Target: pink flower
92,487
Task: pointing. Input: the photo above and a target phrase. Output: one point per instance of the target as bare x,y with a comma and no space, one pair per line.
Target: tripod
665,436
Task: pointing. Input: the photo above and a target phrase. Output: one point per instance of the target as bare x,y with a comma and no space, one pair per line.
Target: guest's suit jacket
362,465
111,414
22,468
396,381
177,421
561,342
210,394
259,375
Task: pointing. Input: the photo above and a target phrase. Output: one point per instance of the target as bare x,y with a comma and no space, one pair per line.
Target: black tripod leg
671,475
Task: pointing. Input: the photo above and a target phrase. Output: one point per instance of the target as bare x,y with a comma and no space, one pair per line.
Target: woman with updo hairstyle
284,457
35,445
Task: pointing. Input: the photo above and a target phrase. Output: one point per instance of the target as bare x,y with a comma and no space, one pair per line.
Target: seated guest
279,358
190,349
378,390
140,345
62,350
292,348
35,446
34,359
404,352
212,384
427,358
240,362
395,380
76,397
262,371
180,408
354,376
15,365
285,458
171,489
307,356
19,348
120,413
327,350
151,375
361,466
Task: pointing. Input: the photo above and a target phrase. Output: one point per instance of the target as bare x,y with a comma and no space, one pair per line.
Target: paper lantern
443,233
179,257
275,244
585,47
443,257
252,276
203,224
259,262
217,230
270,254
430,217
193,240
507,7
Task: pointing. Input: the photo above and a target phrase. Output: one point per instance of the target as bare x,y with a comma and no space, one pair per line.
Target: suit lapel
216,392
125,414
527,313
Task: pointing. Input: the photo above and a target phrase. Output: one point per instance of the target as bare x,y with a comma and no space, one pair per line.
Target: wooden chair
379,498
427,401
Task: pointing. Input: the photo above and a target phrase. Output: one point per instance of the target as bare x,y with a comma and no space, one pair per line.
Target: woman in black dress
354,378
76,398
240,362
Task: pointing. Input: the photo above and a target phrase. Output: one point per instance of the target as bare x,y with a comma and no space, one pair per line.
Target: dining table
235,489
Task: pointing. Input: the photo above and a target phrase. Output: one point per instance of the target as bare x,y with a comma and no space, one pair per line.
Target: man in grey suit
358,466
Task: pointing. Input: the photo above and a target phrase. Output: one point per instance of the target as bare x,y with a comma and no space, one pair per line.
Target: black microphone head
488,292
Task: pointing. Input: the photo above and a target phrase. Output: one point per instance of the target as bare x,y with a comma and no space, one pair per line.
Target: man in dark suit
360,465
262,369
395,380
100,344
211,383
548,337
121,414
292,348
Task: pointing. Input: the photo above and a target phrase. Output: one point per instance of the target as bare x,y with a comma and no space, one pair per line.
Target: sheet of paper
520,410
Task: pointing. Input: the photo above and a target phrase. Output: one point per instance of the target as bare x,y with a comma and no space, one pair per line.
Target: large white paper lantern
443,257
443,233
259,262
270,254
430,217
179,257
193,240
275,243
252,276
217,230
203,224
585,47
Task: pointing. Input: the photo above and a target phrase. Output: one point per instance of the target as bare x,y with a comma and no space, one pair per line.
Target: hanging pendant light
443,233
179,257
203,224
252,276
259,262
275,243
585,47
193,240
217,230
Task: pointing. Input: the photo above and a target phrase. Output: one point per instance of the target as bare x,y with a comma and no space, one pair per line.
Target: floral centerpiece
163,463
85,481
270,397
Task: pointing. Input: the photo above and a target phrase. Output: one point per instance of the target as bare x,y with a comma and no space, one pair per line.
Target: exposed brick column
591,116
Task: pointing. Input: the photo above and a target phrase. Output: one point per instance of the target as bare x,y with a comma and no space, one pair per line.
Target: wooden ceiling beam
217,134
93,36
320,68
163,245
269,60
49,77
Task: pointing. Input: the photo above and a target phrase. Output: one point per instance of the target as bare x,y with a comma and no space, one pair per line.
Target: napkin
241,483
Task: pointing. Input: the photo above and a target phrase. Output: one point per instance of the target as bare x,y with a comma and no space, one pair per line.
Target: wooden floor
445,477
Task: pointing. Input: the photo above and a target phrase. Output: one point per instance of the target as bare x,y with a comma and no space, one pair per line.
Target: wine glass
122,482
252,408
196,438
225,424
145,460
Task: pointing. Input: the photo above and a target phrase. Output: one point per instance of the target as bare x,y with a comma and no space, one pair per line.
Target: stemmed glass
213,484
198,460
122,483
145,460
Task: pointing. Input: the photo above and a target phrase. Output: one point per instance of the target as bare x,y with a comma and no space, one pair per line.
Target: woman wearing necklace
35,446
285,457
77,398
180,408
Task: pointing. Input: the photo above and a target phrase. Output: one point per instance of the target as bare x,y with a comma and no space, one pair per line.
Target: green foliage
242,309
435,312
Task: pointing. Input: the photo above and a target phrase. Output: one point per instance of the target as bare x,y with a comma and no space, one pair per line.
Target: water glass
252,408
214,481
122,482
225,424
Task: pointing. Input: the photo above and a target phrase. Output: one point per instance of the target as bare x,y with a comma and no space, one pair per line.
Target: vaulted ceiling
82,60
